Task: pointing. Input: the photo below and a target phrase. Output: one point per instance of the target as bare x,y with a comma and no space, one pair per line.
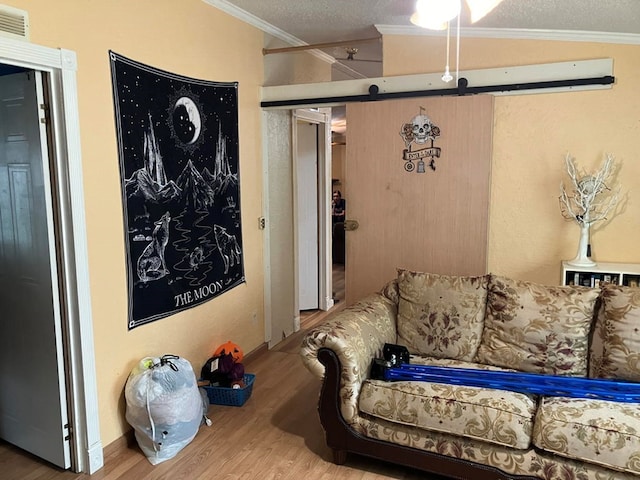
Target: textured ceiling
320,21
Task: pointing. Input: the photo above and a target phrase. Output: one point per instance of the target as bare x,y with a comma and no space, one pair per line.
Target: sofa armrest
356,335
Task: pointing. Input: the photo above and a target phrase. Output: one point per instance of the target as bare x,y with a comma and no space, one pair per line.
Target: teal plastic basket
235,397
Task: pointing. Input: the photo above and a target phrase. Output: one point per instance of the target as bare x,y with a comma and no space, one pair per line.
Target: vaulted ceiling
320,21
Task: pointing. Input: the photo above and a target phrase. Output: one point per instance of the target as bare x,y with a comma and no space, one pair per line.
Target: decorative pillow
441,316
621,350
537,328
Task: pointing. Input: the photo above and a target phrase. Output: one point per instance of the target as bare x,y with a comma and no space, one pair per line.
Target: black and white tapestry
178,150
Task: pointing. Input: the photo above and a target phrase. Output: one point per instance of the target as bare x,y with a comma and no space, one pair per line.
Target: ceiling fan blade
480,8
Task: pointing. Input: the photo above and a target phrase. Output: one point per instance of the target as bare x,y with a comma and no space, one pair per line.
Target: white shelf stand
627,274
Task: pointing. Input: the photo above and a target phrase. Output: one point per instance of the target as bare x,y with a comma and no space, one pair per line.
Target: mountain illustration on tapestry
192,189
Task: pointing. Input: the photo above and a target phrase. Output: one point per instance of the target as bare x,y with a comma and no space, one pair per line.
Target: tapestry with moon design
178,153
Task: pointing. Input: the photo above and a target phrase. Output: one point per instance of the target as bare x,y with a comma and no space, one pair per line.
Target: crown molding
267,28
518,34
257,22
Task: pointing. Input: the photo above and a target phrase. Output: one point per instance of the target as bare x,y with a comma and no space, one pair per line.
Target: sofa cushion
494,416
595,431
441,316
537,328
621,332
530,463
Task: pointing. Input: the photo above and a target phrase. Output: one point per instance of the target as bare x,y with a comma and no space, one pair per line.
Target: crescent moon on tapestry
186,120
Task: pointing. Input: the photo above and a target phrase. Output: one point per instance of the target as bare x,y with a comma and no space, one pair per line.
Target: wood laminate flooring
276,434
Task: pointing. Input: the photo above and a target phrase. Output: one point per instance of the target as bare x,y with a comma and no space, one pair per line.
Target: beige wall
528,237
192,39
293,68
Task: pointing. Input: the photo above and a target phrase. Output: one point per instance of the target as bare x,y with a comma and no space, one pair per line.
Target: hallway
308,318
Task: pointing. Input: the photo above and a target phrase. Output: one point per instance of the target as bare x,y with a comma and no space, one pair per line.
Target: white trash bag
165,407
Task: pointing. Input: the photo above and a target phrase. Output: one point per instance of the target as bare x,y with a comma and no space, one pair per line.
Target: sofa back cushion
620,316
441,316
537,328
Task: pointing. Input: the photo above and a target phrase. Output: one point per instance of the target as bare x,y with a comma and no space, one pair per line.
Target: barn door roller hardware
568,76
463,88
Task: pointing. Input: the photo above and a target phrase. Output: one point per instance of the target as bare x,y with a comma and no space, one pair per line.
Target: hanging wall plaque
421,133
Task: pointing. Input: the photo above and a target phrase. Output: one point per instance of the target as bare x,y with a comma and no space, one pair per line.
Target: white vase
582,259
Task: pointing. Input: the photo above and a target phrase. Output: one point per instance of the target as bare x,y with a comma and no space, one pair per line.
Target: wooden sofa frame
342,439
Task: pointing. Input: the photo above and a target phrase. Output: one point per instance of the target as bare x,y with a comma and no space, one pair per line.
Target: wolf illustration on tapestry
151,264
228,246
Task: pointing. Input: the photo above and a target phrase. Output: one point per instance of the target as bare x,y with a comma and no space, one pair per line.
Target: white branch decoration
590,200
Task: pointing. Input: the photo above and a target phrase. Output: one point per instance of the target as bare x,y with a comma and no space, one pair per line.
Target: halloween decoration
422,132
229,347
224,368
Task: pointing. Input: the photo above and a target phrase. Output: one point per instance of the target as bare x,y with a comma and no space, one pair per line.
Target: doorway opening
311,211
32,334
281,203
339,207
319,173
62,187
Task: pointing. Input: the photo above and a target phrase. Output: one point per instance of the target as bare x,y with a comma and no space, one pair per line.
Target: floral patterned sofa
485,322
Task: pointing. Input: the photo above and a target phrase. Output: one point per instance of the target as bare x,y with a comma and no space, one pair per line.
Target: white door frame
61,65
321,117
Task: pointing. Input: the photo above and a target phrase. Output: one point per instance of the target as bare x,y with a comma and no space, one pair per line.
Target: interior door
33,401
307,208
425,209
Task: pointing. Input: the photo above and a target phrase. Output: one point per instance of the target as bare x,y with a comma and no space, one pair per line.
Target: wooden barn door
426,209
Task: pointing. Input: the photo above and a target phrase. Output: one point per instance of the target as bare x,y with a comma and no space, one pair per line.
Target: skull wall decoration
421,129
